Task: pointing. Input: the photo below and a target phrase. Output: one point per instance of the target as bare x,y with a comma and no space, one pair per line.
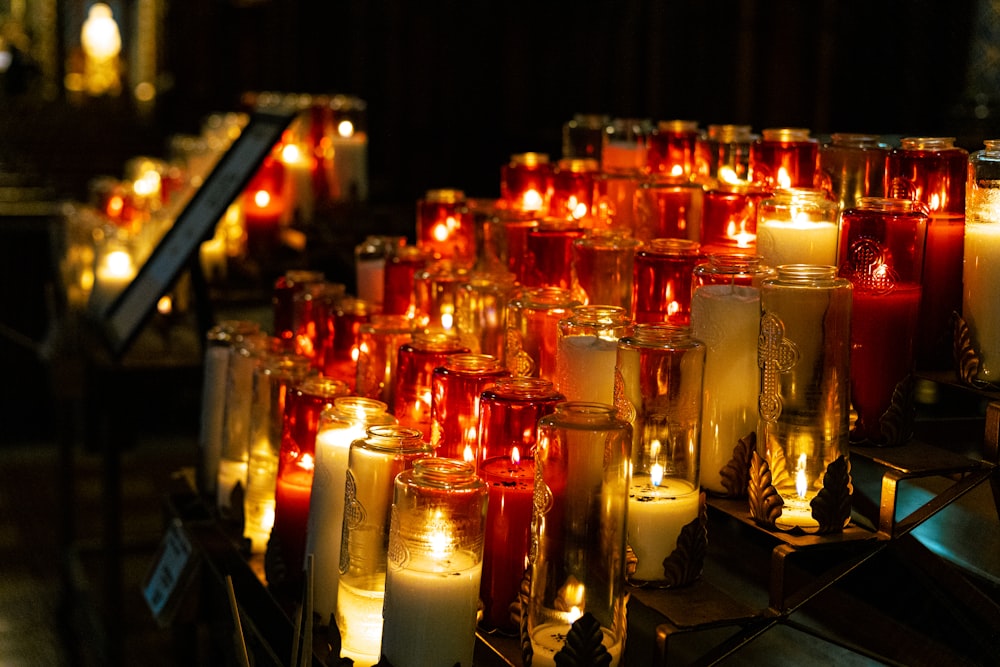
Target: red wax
292,494
508,523
661,284
526,183
785,162
672,148
455,390
883,331
573,189
549,257
942,295
445,227
668,209
400,269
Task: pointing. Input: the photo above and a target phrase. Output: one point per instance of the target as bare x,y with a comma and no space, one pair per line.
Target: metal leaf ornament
765,502
966,357
832,505
685,563
584,645
896,423
736,473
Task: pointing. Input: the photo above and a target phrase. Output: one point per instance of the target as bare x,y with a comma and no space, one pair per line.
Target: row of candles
532,386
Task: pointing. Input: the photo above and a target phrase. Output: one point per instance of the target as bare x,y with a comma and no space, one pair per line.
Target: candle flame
656,474
438,538
165,305
262,198
440,232
531,200
515,455
728,175
290,154
677,170
447,320
147,184
801,486
468,454
119,263
114,206
571,598
355,352
345,128
784,179
935,202
742,237
307,462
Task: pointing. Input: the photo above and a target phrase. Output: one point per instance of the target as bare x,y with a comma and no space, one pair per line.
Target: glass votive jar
370,257
340,351
727,153
379,341
445,227
533,329
505,235
455,389
668,207
436,290
573,189
482,310
881,253
283,301
603,263
273,377
416,361
548,259
614,207
981,272
853,166
586,349
661,281
347,420
304,404
729,217
625,145
373,464
583,136
797,226
800,470
435,553
577,563
725,316
784,157
526,183
658,392
672,147
401,267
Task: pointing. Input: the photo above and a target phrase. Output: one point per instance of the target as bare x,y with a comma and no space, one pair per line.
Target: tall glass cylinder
370,257
784,157
400,269
548,261
615,201
661,282
577,562
981,273
218,343
373,464
283,301
526,183
532,330
727,153
729,219
583,136
435,554
505,237
273,378
455,389
797,227
853,166
573,189
625,145
658,392
800,473
672,147
603,263
882,252
416,361
725,316
586,351
934,171
340,351
436,294
445,227
296,465
481,305
340,425
668,208
378,346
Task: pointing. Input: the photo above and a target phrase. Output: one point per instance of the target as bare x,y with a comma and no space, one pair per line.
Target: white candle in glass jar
326,512
585,368
430,611
797,242
350,167
727,319
980,309
359,618
656,516
548,639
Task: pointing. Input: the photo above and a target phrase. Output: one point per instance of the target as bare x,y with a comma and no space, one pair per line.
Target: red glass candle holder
379,341
455,389
672,148
482,310
436,291
725,152
445,227
533,329
661,283
626,143
314,307
668,208
549,257
264,203
341,350
784,157
296,464
614,201
283,301
526,183
931,170
415,366
573,188
400,269
881,253
729,220
602,269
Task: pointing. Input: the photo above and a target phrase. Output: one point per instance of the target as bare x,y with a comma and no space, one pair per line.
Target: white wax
359,618
796,513
350,168
585,368
326,513
430,617
213,398
548,639
301,196
727,319
656,515
262,474
980,308
782,242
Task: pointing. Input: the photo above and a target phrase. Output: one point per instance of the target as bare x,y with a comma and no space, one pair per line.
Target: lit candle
299,166
115,271
510,482
350,164
796,512
549,638
797,242
980,308
658,509
587,351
